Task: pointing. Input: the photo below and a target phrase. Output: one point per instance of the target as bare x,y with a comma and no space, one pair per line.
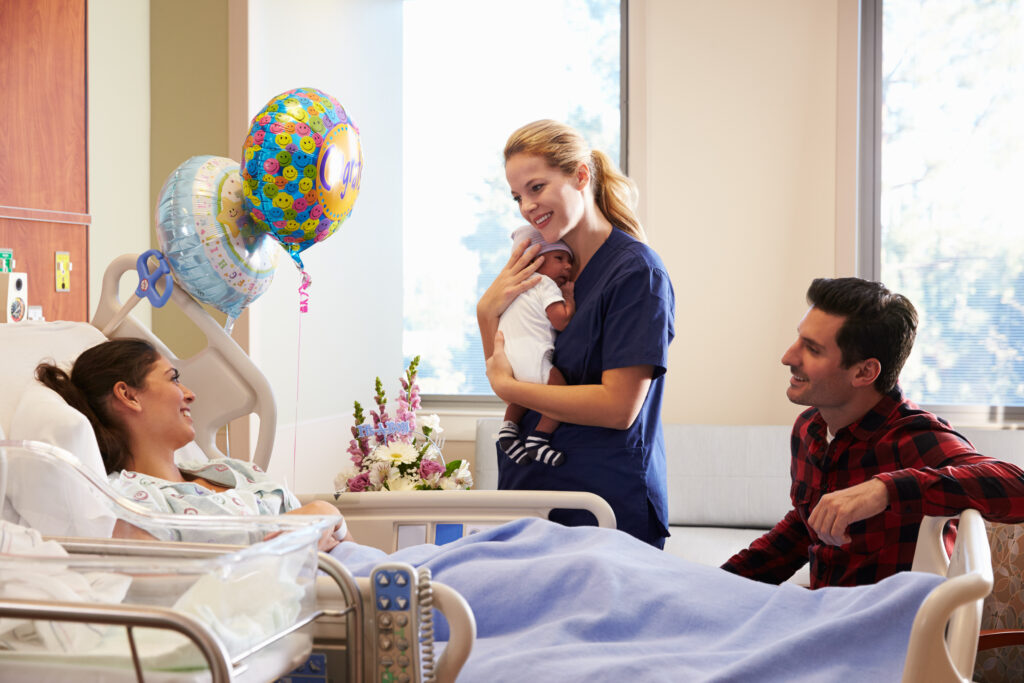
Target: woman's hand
499,370
518,275
330,538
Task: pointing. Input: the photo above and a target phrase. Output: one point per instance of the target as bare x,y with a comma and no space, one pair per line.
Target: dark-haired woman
141,414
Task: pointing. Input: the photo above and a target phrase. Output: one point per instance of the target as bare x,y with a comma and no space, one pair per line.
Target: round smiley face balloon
215,252
301,168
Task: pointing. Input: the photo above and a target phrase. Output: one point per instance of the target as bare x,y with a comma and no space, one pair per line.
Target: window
473,72
950,218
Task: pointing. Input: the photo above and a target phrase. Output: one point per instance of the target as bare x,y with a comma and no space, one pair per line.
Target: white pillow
28,343
54,500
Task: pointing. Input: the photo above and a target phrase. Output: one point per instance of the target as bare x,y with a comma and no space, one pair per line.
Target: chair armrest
989,639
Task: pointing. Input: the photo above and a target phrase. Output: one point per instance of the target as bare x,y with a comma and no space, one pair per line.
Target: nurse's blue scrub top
625,310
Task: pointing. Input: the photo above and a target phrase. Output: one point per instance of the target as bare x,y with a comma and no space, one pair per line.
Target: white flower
462,477
396,453
380,472
431,422
400,483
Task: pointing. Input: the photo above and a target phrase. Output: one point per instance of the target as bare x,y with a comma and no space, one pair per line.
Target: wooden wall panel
37,241
43,148
42,77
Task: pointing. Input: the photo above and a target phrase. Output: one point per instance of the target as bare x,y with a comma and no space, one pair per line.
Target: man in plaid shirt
867,463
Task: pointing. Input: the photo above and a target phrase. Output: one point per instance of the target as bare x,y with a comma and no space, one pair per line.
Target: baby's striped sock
538,445
508,440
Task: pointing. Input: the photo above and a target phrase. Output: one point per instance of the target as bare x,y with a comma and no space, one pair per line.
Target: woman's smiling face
166,405
550,200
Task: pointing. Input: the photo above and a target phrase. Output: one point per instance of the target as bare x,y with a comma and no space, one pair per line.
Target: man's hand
839,509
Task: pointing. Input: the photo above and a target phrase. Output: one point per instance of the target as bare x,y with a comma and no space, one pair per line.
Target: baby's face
557,266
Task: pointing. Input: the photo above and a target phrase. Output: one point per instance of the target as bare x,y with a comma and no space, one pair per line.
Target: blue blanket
554,603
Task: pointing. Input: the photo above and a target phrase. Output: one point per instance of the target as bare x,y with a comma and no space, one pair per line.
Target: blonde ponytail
616,195
563,147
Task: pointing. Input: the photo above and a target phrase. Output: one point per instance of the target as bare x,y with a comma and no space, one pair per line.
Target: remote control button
401,620
382,579
384,643
384,620
403,678
403,644
403,661
400,579
383,602
401,602
386,662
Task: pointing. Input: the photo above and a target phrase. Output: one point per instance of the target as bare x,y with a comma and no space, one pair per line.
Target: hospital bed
251,611
229,386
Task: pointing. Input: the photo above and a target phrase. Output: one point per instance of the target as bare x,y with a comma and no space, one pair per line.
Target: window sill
459,416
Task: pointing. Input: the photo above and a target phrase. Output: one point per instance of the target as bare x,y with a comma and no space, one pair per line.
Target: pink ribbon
303,294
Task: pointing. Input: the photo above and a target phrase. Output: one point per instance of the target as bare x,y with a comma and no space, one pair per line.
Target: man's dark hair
879,324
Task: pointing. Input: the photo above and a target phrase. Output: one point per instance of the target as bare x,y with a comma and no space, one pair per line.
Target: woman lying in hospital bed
551,602
140,413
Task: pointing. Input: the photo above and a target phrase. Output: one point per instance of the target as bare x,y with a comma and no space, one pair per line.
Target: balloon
215,252
301,168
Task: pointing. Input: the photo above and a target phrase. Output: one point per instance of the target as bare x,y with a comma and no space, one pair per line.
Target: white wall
733,140
118,111
319,362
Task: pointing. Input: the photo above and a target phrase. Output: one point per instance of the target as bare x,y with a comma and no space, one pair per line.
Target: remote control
395,646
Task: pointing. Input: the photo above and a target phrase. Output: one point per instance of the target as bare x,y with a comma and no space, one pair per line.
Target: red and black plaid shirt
928,468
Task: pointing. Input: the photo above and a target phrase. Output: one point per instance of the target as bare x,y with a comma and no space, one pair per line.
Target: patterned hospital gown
250,492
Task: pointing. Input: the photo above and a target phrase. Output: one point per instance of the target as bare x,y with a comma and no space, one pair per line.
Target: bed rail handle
462,629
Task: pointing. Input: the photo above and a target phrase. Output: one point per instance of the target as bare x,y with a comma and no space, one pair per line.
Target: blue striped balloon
215,252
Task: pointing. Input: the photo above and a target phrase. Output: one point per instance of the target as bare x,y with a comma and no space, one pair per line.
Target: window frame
457,402
869,200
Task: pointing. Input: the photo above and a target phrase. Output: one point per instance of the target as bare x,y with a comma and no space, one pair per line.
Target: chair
1002,618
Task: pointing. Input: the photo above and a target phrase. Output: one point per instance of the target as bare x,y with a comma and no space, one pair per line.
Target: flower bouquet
400,454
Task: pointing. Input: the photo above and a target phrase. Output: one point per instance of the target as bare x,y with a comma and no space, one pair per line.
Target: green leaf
451,467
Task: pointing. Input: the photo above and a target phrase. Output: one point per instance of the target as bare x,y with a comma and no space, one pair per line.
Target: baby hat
528,232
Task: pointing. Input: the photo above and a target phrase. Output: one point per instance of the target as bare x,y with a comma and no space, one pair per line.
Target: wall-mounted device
14,296
62,271
7,260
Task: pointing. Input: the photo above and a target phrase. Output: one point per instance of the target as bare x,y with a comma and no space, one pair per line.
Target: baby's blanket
243,607
587,604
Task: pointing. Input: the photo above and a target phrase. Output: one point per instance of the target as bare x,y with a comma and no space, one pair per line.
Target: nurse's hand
499,370
518,275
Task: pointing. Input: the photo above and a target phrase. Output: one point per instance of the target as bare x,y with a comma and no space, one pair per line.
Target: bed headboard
228,385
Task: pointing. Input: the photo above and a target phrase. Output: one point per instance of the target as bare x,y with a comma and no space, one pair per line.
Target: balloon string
303,294
298,381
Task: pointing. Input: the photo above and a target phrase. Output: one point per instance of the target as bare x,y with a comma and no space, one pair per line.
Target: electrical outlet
62,270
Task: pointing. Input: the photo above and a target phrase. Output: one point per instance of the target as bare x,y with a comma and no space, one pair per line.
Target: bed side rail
944,636
374,517
129,616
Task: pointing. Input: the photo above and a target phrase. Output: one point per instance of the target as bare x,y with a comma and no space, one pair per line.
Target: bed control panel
395,633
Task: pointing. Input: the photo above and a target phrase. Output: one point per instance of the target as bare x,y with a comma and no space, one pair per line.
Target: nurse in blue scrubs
613,353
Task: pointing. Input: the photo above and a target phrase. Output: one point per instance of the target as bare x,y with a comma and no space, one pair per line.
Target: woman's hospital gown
624,317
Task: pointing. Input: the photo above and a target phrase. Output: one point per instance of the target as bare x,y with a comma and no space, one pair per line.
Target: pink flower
429,468
360,482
